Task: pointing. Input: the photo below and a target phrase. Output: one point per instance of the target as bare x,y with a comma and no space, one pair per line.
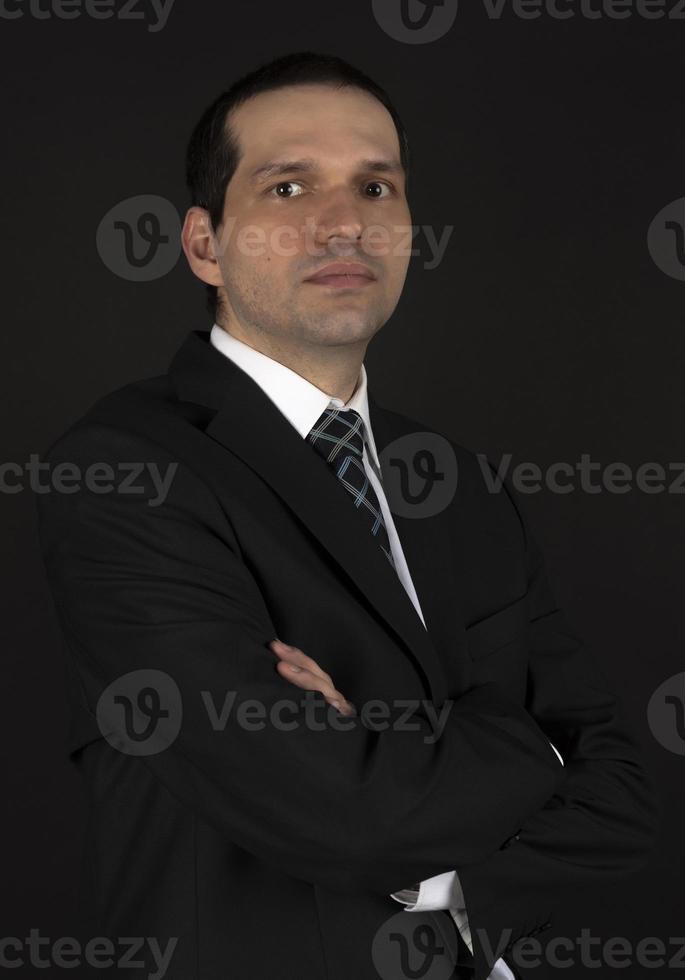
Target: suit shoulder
134,414
127,457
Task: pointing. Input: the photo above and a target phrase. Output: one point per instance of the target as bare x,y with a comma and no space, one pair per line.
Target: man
275,580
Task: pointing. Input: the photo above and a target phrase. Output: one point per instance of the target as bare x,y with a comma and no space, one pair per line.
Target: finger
310,676
296,656
301,677
304,679
344,707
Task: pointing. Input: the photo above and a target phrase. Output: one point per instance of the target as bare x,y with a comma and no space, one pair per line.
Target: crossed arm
441,892
165,588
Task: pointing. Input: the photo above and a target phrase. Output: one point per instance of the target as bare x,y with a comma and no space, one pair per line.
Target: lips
353,270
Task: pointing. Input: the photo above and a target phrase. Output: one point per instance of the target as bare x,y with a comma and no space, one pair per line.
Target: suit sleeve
600,823
144,585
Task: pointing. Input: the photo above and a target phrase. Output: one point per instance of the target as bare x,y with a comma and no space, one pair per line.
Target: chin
351,331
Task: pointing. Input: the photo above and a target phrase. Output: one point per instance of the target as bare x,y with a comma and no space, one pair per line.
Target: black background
546,332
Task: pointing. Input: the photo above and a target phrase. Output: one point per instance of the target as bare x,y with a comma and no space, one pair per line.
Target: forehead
313,120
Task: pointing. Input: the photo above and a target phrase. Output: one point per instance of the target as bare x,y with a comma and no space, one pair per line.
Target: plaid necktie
338,436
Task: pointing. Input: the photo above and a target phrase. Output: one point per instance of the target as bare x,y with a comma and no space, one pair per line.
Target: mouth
342,275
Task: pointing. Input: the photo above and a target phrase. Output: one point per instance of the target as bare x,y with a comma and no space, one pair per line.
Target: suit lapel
249,425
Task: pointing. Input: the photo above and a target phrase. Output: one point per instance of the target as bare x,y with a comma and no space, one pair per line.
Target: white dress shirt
302,403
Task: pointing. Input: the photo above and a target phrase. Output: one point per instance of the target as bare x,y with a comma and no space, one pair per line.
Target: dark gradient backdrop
548,330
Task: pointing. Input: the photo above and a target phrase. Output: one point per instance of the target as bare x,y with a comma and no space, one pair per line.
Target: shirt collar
299,400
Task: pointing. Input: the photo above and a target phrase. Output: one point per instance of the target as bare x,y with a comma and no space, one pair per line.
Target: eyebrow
276,168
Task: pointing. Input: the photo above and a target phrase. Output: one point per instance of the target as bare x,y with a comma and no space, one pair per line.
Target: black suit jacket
273,853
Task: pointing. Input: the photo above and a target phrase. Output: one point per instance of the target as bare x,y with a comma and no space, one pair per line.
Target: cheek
286,243
275,249
252,260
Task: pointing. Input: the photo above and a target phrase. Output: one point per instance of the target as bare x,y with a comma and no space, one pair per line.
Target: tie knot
338,432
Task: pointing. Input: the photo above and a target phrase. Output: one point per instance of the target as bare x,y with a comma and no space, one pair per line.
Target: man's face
334,192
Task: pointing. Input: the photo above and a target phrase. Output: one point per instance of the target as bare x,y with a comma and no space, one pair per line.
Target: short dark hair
213,153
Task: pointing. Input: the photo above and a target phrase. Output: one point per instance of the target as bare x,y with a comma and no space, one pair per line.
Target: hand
304,672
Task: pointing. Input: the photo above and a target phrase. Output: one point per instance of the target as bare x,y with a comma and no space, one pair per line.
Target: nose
339,219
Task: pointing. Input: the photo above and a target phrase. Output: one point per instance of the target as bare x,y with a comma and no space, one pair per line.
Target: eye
285,183
380,184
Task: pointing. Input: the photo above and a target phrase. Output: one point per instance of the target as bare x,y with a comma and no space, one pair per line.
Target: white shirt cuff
440,892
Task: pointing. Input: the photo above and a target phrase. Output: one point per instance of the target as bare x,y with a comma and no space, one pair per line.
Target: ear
201,247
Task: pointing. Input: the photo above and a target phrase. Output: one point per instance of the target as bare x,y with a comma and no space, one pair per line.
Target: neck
334,370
